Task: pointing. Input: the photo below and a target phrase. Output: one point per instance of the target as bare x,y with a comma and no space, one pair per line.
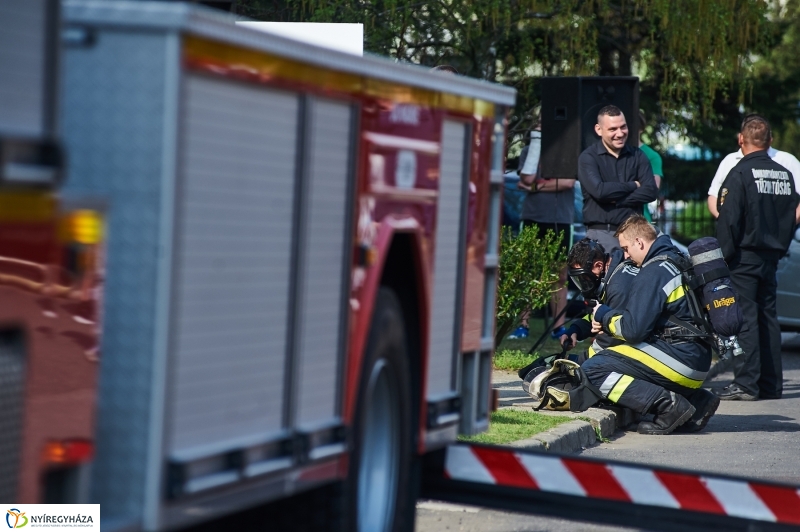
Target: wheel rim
380,452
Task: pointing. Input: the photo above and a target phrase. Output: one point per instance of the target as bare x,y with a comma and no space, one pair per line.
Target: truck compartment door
323,273
448,277
232,279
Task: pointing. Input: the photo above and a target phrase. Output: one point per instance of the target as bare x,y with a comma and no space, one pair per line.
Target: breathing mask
590,284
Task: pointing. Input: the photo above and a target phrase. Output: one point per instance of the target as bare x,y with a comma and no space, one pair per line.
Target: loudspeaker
569,113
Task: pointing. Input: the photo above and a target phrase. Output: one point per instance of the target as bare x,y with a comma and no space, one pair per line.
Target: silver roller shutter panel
233,264
447,260
23,67
323,246
12,397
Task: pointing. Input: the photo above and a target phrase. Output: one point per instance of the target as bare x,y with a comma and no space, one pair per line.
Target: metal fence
684,221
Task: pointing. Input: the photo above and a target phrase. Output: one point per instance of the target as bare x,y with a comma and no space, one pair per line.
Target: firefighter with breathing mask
599,276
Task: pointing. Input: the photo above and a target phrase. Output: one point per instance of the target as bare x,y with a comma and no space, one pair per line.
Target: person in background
758,209
655,162
617,180
785,159
549,204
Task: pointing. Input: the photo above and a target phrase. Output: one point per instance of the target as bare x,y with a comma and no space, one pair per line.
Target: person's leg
559,302
770,382
522,330
613,376
704,401
746,367
705,404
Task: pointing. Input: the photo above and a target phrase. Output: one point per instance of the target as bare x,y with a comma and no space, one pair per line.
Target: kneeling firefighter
660,366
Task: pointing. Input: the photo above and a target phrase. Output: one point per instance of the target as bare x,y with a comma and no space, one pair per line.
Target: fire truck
249,277
302,254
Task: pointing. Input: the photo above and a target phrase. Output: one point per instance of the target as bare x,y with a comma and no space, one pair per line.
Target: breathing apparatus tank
712,284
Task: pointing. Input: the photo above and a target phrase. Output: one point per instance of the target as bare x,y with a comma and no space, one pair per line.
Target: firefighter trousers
632,384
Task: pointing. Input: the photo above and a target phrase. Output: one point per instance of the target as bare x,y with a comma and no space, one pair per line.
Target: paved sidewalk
760,425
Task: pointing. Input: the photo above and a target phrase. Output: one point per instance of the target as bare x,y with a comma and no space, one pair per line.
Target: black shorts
565,229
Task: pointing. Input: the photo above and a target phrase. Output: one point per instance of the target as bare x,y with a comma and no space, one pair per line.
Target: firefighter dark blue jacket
656,293
756,206
618,278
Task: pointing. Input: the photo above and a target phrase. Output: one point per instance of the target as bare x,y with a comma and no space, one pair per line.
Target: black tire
380,494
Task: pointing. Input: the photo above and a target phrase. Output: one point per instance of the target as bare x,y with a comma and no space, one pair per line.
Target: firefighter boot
705,404
670,411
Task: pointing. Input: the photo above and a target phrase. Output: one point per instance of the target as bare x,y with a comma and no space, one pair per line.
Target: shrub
529,266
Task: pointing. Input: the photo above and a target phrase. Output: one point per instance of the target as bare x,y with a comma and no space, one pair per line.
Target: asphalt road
757,439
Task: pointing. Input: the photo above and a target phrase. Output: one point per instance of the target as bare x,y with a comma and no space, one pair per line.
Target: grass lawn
512,425
511,355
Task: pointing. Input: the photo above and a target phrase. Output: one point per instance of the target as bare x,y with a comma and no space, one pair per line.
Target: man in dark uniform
758,210
616,179
654,370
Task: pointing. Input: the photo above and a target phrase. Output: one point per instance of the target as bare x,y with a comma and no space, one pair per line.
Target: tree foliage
702,63
775,76
770,86
686,51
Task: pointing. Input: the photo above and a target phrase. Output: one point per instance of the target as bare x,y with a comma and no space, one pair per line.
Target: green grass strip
512,425
512,359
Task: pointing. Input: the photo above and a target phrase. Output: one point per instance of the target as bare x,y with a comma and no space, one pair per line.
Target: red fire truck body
50,286
51,266
387,213
395,124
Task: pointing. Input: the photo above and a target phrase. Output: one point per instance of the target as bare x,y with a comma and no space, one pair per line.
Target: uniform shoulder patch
722,194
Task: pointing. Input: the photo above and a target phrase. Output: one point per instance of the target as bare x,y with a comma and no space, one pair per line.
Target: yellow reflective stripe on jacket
613,327
674,289
672,284
676,294
662,363
619,388
594,349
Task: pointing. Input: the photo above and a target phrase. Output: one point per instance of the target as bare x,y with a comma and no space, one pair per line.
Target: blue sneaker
519,333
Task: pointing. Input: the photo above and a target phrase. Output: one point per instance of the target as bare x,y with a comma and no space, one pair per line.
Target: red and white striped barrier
624,483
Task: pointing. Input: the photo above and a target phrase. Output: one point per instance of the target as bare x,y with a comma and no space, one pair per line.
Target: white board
347,38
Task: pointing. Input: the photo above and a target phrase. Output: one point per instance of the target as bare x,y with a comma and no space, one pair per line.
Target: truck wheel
380,498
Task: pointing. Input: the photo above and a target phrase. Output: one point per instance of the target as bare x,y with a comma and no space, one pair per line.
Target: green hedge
529,266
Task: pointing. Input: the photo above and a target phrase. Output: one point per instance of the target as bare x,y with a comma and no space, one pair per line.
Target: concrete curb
578,434
584,431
